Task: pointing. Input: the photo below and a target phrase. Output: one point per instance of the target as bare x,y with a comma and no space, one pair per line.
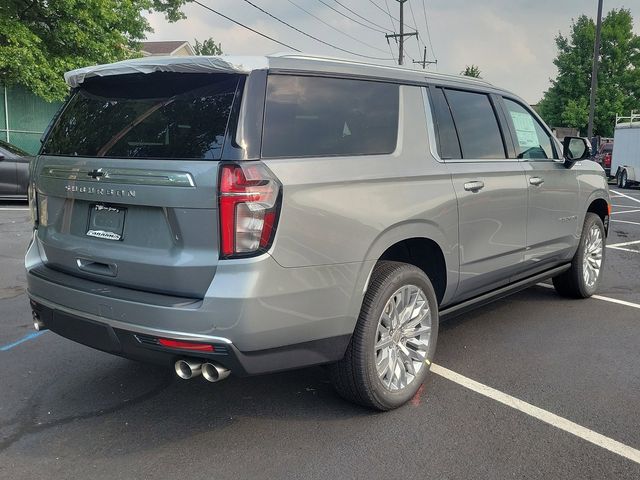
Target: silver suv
257,214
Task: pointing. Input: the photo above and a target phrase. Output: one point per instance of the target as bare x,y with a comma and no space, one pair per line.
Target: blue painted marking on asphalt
26,338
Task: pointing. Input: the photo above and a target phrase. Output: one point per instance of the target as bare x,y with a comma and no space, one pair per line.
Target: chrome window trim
431,131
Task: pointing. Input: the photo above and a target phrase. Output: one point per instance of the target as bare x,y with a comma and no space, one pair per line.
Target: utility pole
424,62
594,72
401,35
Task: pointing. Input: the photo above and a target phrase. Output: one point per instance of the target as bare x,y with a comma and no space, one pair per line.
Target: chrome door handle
474,186
536,181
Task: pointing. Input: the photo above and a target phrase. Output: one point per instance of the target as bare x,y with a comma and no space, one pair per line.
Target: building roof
165,48
282,62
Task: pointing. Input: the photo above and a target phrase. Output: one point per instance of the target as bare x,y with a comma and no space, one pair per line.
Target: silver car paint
339,215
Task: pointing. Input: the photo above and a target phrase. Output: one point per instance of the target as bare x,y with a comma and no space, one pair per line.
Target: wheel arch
423,244
601,206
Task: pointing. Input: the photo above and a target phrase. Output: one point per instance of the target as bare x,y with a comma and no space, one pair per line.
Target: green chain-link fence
24,117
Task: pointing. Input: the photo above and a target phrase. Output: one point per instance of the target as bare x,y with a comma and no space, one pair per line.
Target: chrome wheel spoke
417,332
407,361
593,251
384,341
402,337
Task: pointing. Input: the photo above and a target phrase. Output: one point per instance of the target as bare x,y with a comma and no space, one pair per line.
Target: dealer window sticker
525,130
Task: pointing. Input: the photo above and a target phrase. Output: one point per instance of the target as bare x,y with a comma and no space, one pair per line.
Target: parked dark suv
14,172
257,214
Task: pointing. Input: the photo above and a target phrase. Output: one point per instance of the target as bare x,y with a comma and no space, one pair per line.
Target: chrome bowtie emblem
96,174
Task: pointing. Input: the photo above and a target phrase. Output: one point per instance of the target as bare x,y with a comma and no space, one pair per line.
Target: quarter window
448,146
532,142
319,116
477,126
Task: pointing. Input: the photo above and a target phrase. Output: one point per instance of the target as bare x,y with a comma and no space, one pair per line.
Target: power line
336,29
400,36
388,13
426,24
390,51
352,19
311,36
415,26
245,26
357,14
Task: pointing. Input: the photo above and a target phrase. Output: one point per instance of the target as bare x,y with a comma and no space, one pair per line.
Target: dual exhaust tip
187,369
38,324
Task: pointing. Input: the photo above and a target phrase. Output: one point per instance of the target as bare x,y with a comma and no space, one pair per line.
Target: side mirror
575,149
1,156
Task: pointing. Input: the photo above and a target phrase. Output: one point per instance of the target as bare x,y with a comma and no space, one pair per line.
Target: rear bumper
103,336
271,318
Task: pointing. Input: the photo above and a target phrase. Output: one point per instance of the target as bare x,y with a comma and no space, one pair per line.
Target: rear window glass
477,126
318,116
160,115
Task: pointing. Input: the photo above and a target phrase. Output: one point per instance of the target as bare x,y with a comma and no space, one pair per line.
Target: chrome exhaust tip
214,373
37,323
187,369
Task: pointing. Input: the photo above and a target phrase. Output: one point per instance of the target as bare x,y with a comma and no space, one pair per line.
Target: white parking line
626,211
12,209
626,196
624,244
626,221
624,249
541,414
600,297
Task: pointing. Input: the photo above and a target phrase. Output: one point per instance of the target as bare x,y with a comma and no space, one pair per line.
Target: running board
494,295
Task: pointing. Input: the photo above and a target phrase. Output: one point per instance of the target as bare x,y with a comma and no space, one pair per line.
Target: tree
566,102
471,71
41,39
207,47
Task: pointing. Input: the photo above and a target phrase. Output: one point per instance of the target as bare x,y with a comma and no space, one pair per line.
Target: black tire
624,179
355,377
571,283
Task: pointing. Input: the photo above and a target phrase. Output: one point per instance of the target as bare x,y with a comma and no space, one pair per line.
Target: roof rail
304,56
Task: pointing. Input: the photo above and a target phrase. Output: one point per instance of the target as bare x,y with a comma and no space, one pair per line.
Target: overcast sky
512,41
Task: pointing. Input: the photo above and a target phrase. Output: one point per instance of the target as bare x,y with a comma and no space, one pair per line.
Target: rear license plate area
106,222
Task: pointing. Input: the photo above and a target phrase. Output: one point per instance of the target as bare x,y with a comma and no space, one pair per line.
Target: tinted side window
448,146
531,139
477,125
317,116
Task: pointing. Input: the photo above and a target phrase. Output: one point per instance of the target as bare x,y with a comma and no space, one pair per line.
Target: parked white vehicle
626,150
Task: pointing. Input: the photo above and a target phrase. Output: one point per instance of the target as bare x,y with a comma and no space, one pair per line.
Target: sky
512,41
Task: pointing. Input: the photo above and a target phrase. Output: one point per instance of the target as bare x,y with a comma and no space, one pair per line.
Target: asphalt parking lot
67,411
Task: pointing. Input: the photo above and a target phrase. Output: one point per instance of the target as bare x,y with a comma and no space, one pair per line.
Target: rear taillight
32,196
249,201
607,160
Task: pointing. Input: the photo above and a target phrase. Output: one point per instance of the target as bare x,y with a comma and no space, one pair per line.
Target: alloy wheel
592,261
403,337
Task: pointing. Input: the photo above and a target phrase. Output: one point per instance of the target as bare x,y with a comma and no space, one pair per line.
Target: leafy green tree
471,71
207,47
566,103
41,39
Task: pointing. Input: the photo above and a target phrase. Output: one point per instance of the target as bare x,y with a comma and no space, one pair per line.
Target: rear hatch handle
97,268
